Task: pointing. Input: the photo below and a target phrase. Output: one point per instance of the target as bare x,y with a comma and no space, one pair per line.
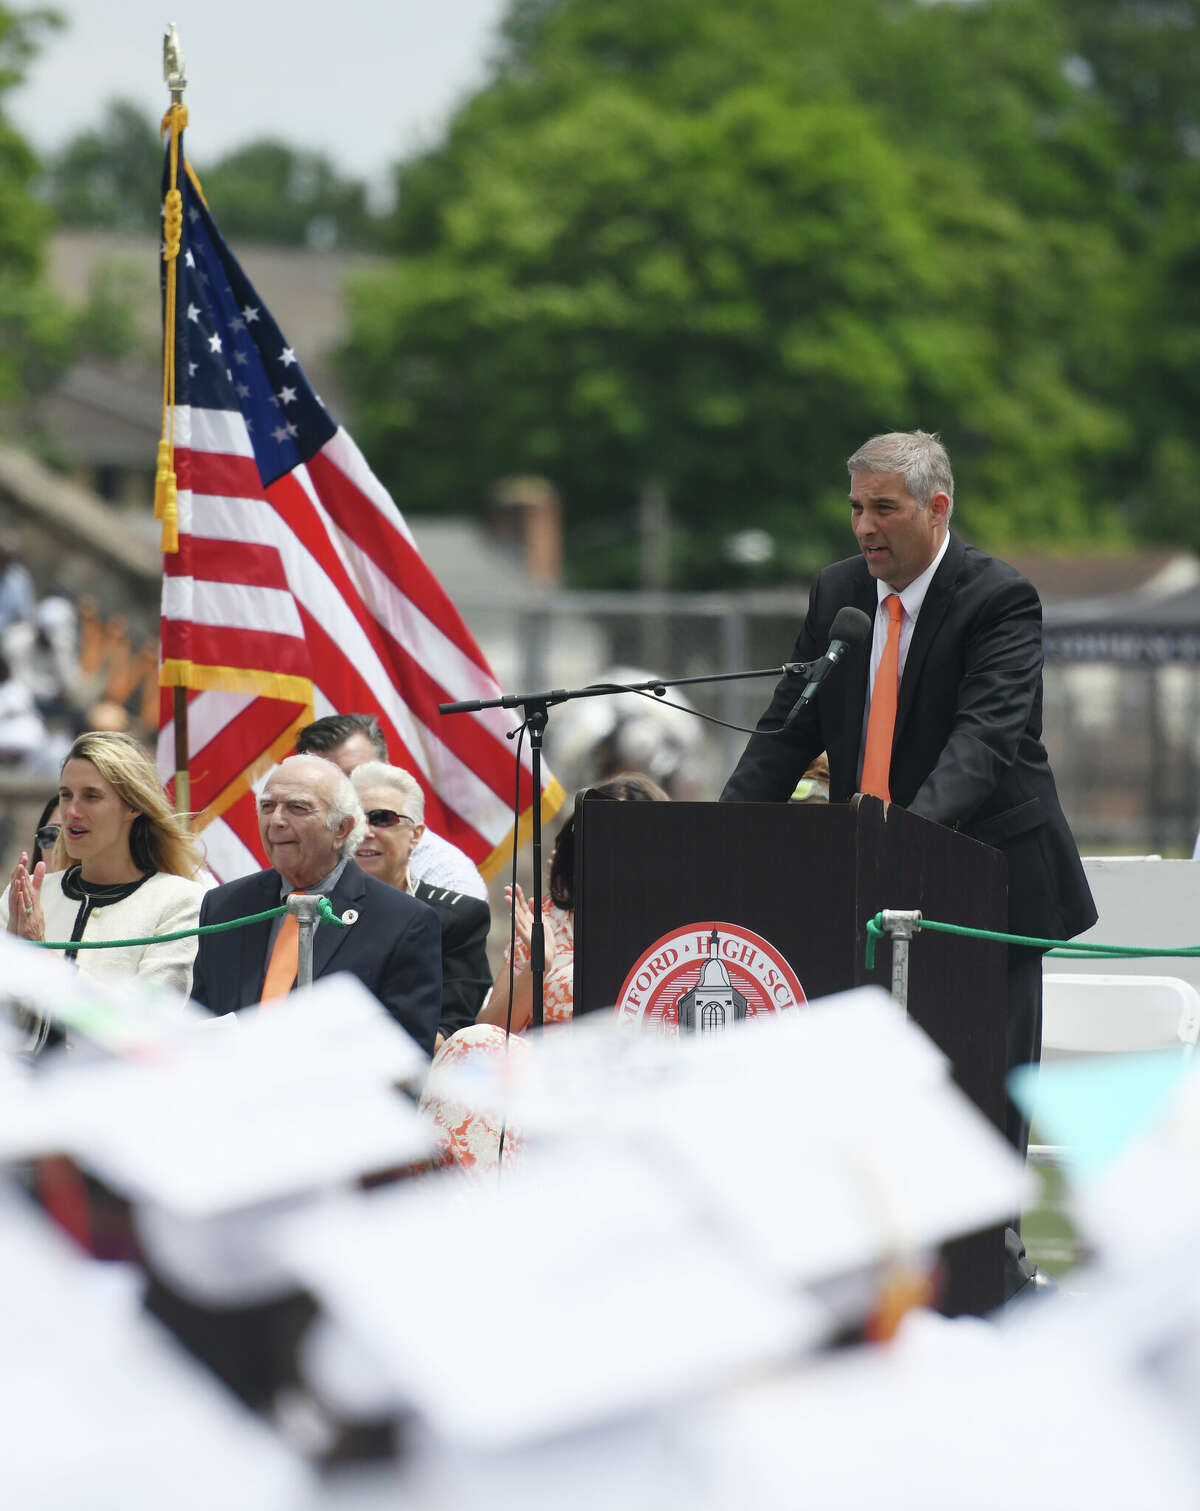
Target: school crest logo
706,977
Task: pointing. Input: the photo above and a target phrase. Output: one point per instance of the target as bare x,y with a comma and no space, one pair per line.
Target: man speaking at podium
937,708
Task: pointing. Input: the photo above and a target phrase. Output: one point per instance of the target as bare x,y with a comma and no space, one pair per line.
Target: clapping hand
523,923
25,900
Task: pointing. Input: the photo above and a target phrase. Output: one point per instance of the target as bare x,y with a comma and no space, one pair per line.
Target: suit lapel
937,600
329,937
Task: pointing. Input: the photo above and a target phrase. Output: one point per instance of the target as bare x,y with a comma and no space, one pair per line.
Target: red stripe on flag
229,646
242,818
235,561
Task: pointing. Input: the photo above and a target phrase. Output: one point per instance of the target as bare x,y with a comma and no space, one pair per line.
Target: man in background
350,739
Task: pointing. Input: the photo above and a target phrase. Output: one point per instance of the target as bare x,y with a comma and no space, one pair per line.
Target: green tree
1142,62
717,247
33,328
269,191
110,174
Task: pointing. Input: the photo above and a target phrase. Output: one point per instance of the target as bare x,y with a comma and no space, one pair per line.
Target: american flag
298,590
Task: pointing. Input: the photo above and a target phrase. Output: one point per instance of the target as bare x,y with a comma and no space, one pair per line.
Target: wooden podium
806,878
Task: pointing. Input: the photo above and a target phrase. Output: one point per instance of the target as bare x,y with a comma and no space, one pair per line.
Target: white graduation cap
1129,1131
113,1014
295,1100
942,1419
584,1286
847,1107
651,1239
100,1407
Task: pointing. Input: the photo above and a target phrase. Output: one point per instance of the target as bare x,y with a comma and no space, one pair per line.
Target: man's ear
939,506
418,831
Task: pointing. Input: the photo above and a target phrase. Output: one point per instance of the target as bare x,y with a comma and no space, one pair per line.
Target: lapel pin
350,915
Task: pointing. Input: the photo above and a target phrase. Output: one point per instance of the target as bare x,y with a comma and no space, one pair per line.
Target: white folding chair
1088,1014
1085,1015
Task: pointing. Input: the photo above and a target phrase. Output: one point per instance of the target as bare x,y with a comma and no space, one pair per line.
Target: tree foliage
718,246
33,327
269,191
110,175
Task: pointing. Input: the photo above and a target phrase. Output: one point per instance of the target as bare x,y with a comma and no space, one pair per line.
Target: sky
367,81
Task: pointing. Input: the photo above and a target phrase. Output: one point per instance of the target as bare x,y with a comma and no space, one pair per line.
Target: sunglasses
47,836
387,818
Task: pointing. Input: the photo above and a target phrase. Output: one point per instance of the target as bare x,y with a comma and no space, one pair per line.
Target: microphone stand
536,709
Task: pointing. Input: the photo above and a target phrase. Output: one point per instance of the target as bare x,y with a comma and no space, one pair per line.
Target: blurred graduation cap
113,1015
102,1409
206,1122
583,1287
683,1213
953,1415
208,1134
846,1106
1128,1128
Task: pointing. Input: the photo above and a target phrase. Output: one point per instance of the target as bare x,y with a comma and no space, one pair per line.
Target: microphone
850,629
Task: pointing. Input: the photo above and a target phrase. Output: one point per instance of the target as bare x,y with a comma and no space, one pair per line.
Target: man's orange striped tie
881,723
284,961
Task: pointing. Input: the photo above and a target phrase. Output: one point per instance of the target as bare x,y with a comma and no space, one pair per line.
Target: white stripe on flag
231,605
220,431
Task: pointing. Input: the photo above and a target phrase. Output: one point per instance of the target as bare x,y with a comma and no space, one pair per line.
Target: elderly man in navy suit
311,823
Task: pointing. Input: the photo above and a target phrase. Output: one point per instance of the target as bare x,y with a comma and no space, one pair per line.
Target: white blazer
161,905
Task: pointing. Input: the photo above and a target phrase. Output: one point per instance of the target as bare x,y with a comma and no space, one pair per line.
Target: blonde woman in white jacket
124,867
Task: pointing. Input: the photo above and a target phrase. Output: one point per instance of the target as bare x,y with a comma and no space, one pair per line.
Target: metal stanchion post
305,906
900,927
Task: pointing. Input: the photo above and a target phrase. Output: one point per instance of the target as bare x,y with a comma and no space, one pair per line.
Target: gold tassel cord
165,504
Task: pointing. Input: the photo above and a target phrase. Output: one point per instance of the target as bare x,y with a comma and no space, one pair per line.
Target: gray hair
343,799
917,455
380,774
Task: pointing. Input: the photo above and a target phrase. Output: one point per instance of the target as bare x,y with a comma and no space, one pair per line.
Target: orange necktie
881,723
284,961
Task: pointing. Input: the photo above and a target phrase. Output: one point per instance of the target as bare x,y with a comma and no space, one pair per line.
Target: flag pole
175,77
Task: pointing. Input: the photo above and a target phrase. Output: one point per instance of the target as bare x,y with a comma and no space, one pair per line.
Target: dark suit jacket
465,975
393,948
967,752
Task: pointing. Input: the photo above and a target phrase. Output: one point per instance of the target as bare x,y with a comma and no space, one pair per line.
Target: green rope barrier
874,935
324,908
1076,950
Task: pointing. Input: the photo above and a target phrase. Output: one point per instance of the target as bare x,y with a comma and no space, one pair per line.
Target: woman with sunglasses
45,836
394,804
122,867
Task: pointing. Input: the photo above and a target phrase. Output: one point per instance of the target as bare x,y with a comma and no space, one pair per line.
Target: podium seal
705,977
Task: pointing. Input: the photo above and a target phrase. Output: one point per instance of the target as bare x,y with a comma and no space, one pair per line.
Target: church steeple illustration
714,1003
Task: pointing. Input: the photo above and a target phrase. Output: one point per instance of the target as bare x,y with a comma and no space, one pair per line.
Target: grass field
1050,1237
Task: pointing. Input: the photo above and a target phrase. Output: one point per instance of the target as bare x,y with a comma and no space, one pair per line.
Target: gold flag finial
174,65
